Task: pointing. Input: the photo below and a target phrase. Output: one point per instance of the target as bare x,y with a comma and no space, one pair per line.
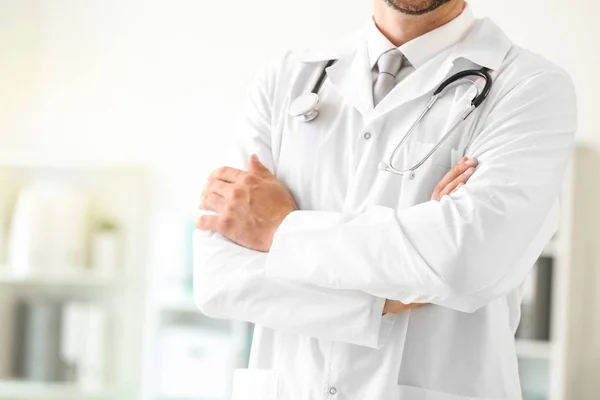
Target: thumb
256,167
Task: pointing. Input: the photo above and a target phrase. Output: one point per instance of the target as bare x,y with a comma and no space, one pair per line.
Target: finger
415,305
213,202
462,178
227,174
217,186
258,168
207,223
405,307
456,171
457,187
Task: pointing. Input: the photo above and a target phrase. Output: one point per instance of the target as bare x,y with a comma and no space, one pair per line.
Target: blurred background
112,112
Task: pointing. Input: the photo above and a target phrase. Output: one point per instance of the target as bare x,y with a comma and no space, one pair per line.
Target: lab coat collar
351,74
485,45
333,51
419,50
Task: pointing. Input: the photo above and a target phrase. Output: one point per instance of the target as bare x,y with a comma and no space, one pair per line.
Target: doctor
328,255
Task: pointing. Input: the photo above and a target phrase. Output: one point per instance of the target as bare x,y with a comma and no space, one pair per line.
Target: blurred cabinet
577,325
122,332
565,365
187,355
71,331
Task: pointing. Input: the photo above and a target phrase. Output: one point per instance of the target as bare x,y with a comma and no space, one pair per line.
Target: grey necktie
389,65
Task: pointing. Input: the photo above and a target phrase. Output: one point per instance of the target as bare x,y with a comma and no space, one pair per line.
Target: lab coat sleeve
230,280
472,246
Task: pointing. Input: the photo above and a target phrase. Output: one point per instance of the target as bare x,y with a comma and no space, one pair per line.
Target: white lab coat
362,235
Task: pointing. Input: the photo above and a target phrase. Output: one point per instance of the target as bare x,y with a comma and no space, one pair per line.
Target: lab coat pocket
255,384
416,393
441,157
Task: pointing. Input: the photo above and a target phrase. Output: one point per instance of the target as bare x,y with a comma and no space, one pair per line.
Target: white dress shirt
421,49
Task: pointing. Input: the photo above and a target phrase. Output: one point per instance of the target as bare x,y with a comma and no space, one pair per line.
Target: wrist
387,308
271,235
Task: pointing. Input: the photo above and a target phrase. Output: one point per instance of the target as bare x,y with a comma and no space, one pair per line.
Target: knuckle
228,210
222,171
225,223
247,179
237,192
457,170
217,172
202,223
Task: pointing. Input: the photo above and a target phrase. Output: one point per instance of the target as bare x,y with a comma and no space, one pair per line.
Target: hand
455,179
250,205
395,307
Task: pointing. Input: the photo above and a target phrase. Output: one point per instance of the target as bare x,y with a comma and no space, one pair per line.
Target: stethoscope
306,108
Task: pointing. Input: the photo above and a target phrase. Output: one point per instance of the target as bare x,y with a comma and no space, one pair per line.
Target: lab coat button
368,135
332,391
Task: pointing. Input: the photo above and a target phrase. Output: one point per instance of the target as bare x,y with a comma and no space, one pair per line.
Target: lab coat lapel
486,46
420,82
352,77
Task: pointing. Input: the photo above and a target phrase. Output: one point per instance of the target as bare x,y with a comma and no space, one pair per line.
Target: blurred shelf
534,349
188,398
21,390
587,139
40,160
78,281
182,305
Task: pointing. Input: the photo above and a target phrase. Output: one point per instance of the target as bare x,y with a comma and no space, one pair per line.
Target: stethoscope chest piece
305,107
385,167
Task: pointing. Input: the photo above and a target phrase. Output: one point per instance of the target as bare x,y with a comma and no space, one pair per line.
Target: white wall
160,80
133,78
565,32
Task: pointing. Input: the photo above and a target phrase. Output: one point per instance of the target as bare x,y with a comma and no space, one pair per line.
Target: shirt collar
484,43
421,49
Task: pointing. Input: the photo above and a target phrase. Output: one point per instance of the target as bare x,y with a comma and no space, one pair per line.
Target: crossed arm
231,253
251,205
460,252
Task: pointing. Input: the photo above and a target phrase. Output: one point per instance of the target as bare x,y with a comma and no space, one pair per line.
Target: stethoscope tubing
322,77
476,102
312,113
